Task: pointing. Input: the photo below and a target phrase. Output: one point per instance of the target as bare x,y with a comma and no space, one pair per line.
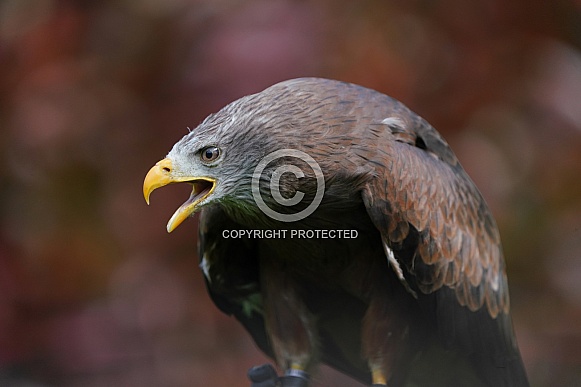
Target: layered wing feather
422,186
446,245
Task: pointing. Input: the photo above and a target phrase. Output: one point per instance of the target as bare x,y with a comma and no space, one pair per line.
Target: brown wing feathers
422,185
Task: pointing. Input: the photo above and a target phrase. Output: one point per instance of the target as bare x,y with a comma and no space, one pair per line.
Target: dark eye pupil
210,154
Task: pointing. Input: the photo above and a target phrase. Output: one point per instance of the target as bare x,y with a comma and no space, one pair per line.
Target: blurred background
94,292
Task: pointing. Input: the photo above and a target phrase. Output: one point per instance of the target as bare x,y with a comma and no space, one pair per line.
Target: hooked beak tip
158,176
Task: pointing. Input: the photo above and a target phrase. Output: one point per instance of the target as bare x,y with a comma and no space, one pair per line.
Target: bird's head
217,159
312,117
220,156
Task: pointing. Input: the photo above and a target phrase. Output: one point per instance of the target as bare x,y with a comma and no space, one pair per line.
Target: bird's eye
210,154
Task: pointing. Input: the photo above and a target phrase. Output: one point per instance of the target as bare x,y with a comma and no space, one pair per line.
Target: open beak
163,174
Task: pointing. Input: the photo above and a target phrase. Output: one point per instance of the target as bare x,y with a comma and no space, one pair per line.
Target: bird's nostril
166,169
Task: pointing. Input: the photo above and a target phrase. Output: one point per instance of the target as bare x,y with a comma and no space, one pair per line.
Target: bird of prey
339,227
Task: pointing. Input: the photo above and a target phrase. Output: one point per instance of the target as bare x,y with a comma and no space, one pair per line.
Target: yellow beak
162,174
